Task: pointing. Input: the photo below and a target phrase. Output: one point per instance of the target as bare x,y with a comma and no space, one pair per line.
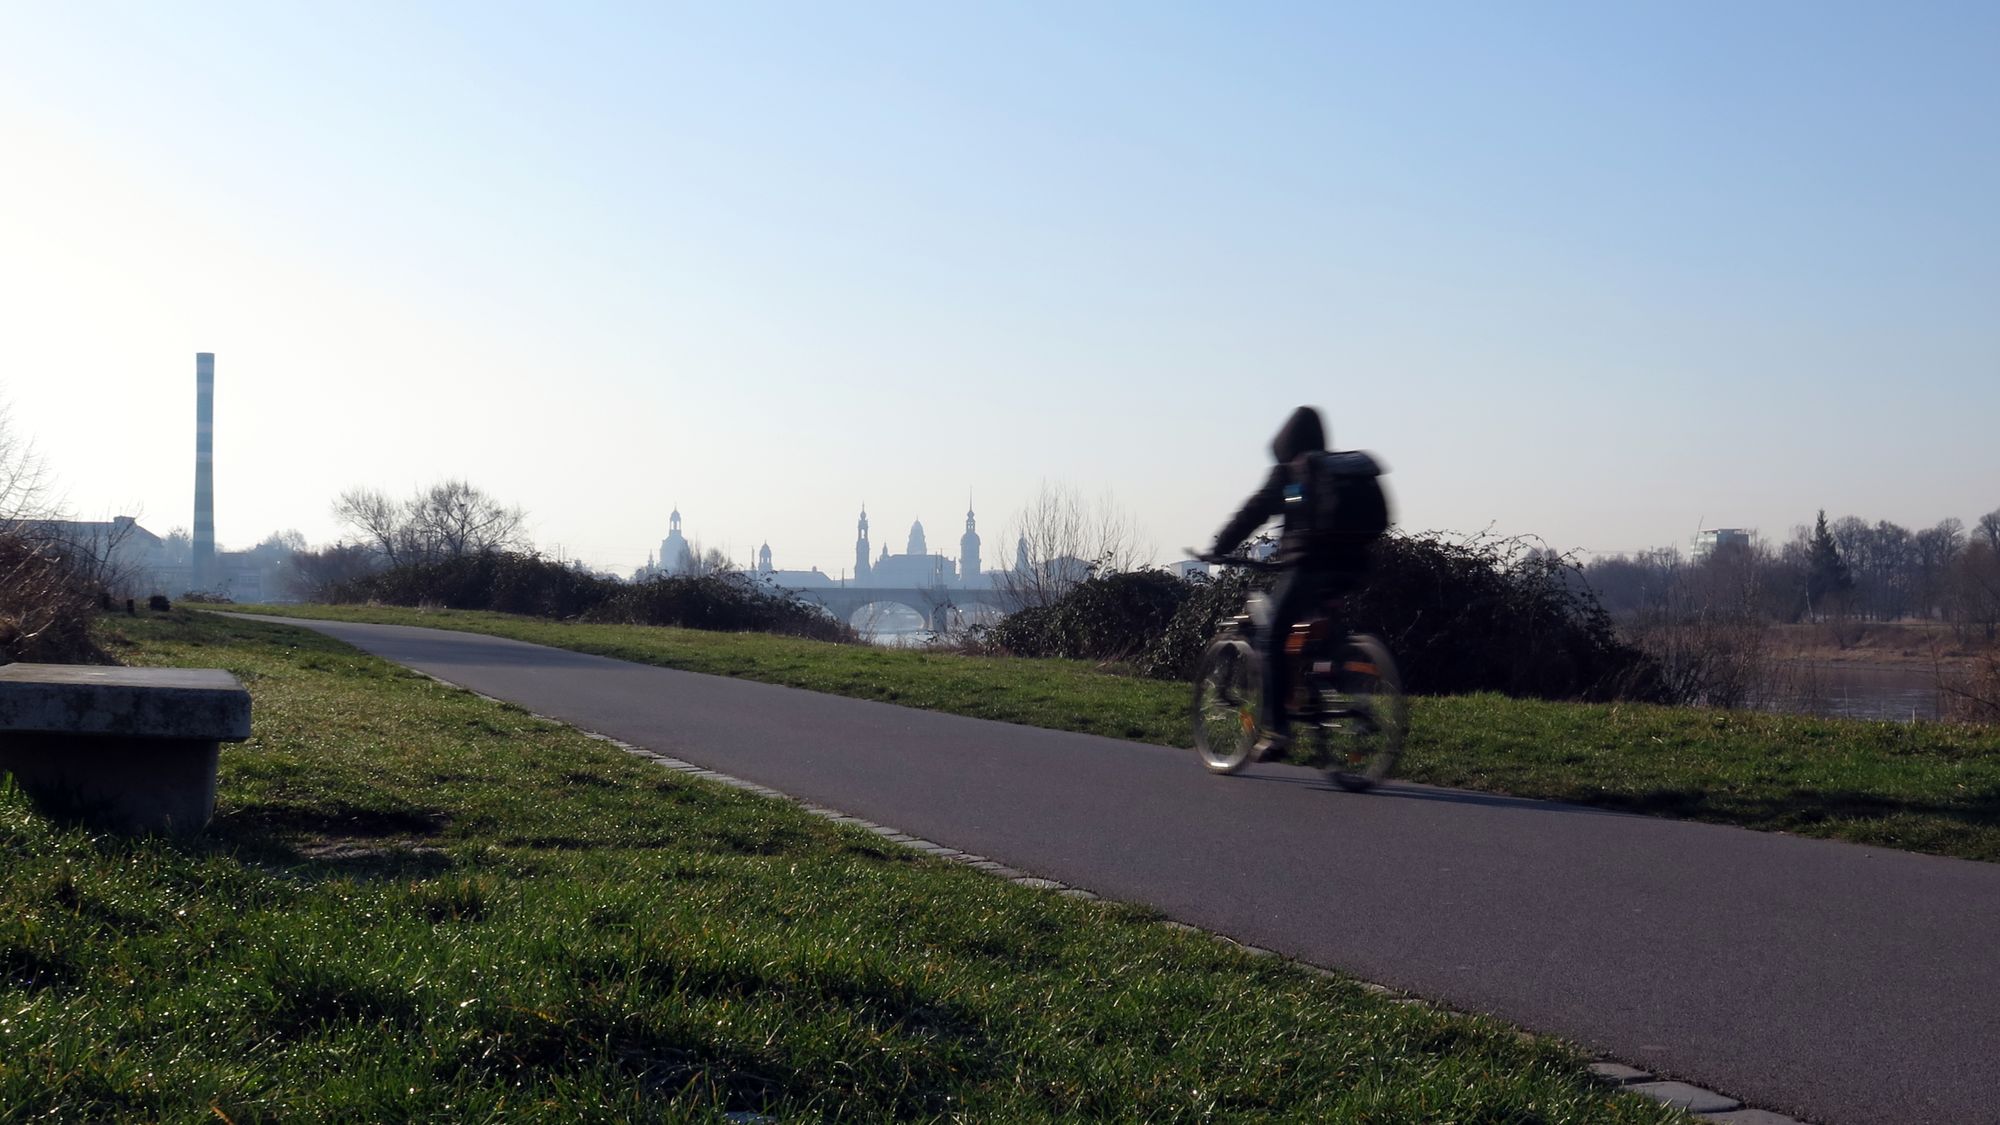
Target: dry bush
46,605
1711,659
1970,692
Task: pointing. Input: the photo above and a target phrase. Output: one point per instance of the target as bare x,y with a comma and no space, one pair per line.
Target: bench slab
174,703
130,750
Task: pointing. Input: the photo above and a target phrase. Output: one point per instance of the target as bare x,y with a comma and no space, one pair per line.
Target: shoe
1270,745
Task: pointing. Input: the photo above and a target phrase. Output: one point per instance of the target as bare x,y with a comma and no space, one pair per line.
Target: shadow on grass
337,841
1967,828
340,821
1979,810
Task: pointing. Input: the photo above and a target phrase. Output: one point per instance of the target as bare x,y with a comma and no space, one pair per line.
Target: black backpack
1343,494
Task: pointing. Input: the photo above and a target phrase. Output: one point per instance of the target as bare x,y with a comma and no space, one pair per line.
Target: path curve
1833,981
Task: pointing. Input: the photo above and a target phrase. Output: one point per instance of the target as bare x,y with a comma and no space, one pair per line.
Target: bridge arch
867,615
938,606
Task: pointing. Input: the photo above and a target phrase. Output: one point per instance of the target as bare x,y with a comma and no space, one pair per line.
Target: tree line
1846,568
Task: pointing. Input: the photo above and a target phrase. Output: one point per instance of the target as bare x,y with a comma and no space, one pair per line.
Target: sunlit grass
416,904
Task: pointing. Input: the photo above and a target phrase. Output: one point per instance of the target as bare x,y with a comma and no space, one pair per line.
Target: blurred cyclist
1333,508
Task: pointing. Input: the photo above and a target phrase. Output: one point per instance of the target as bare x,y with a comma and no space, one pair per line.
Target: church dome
917,539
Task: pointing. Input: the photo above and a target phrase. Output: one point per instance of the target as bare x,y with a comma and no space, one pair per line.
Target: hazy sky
1600,272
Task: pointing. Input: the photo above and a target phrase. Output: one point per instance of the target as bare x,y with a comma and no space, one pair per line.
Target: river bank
1895,671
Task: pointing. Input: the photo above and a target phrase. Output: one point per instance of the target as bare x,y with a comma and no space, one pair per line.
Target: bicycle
1349,695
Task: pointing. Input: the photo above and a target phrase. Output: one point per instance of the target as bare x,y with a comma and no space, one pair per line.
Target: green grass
1926,787
418,905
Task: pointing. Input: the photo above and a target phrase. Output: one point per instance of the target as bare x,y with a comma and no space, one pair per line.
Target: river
1898,692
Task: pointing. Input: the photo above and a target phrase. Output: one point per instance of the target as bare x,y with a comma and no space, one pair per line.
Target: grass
1921,787
418,905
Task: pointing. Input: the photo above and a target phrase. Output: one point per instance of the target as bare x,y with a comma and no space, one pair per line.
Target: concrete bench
129,750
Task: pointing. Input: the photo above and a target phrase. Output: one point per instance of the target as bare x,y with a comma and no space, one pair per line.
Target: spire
968,549
861,564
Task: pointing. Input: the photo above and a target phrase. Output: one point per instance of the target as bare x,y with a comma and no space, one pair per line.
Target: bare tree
177,548
702,562
1932,553
1989,528
1972,592
1060,539
454,519
48,585
375,519
448,520
24,476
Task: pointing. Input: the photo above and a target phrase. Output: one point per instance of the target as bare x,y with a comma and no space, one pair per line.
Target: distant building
791,579
1714,539
1190,568
915,567
675,556
968,552
138,563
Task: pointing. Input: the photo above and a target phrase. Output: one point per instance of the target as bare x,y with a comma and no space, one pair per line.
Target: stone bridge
933,603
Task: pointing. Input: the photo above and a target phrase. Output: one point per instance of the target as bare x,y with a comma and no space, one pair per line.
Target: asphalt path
1831,981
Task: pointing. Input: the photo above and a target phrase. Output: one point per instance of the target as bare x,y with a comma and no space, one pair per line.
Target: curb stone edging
1704,1104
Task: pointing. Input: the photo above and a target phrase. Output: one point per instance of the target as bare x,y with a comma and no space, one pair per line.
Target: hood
1301,433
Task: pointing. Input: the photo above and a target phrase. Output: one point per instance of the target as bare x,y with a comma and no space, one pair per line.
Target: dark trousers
1294,596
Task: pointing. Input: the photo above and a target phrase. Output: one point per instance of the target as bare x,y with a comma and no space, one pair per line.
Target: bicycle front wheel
1225,705
1367,740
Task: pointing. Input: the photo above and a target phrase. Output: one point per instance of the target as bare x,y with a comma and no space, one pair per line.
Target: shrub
507,582
504,583
46,603
1461,616
1103,617
728,601
1493,615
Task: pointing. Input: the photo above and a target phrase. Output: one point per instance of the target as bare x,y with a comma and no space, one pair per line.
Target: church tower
861,550
917,540
675,556
764,559
968,552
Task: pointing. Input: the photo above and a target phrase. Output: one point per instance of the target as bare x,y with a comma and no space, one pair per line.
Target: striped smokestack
204,471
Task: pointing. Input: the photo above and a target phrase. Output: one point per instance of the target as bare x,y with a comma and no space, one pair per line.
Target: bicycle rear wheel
1225,705
1367,741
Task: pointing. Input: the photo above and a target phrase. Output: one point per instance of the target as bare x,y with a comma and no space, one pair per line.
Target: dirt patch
372,858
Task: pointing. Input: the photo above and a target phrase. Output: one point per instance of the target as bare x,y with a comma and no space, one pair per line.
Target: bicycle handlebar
1234,560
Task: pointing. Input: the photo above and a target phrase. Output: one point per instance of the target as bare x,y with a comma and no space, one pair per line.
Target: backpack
1344,499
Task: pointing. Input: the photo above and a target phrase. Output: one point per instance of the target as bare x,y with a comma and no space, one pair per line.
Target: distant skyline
1604,274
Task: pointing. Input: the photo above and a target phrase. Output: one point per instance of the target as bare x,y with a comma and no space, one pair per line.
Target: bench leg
130,786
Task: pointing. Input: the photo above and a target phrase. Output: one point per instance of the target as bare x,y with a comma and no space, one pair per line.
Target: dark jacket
1301,434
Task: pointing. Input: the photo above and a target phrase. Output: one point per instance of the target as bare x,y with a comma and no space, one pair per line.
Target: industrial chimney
204,472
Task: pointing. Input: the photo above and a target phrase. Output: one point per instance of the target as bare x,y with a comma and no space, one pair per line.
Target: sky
1599,273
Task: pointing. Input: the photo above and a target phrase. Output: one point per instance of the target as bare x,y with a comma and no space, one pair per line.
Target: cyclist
1329,520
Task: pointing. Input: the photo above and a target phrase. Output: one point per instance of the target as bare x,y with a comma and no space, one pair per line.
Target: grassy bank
1929,787
1922,645
415,904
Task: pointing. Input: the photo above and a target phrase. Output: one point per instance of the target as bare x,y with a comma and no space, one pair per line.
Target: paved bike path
1835,982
